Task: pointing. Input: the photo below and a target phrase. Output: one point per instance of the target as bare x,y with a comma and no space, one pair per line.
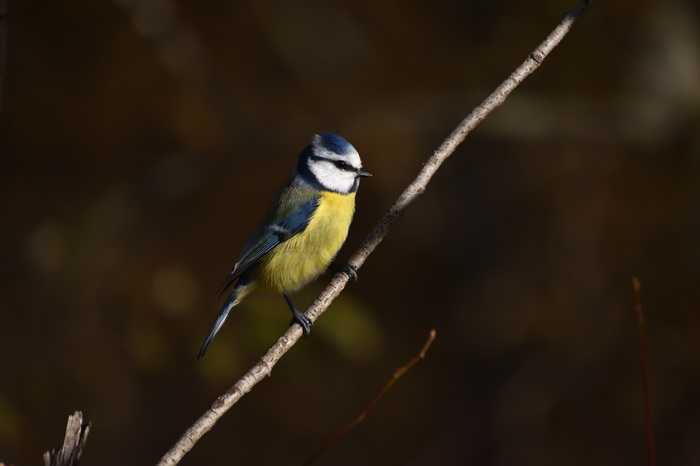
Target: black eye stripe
338,163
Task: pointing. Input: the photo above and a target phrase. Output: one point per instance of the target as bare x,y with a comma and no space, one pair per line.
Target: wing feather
267,237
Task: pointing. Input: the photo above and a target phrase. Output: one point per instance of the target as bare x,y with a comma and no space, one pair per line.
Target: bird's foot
347,269
303,320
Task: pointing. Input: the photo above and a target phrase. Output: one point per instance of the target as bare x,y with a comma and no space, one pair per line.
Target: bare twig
73,443
264,366
360,417
3,46
645,368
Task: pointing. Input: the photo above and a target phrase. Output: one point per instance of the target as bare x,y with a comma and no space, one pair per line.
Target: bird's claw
347,269
303,320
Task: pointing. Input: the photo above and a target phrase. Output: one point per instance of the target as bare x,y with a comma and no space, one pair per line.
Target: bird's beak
362,172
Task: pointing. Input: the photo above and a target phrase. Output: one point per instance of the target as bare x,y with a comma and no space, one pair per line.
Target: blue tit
302,230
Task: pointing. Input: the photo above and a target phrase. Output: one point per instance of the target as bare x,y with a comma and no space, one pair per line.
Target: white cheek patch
327,150
331,177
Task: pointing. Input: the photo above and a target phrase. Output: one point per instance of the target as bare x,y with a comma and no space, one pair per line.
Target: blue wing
265,238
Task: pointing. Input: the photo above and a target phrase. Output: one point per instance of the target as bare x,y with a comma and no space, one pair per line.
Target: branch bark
264,366
73,443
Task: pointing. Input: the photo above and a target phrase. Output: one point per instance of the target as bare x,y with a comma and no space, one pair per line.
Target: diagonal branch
263,367
360,417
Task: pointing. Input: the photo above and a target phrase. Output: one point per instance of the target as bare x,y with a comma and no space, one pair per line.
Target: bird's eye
340,164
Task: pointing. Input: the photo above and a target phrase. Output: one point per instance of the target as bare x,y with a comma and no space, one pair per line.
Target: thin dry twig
3,46
360,417
263,367
645,368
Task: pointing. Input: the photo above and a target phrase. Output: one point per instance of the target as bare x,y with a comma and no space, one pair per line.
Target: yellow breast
305,256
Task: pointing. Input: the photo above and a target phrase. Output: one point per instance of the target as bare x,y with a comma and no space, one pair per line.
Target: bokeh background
141,141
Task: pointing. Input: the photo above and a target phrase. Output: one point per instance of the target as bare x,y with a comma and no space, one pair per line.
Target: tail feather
220,319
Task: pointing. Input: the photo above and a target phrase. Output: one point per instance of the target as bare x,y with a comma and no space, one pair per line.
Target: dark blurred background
141,140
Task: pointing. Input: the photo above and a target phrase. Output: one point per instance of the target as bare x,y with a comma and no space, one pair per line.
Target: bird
302,230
